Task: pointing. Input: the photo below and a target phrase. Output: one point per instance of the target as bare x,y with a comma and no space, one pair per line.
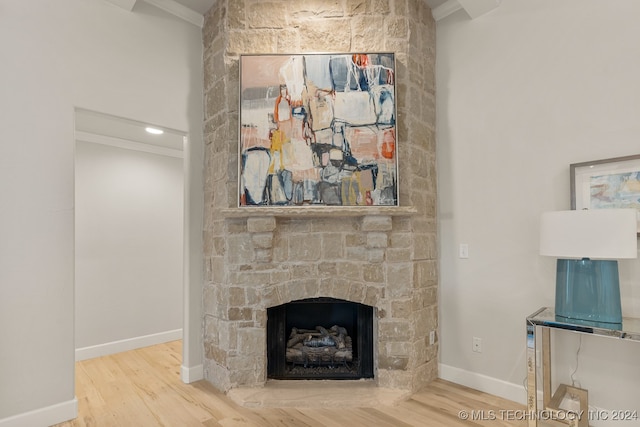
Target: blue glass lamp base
588,290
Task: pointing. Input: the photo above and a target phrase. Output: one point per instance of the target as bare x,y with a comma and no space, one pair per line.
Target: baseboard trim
127,344
46,416
193,374
487,384
514,392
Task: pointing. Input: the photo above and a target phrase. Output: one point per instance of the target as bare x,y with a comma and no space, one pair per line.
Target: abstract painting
318,130
607,184
616,191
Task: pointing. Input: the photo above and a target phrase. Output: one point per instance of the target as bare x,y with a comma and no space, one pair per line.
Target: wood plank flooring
142,388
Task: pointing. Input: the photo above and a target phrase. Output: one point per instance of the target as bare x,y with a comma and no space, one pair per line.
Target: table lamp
588,244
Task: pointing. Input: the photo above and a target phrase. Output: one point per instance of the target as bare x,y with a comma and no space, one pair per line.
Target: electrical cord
573,381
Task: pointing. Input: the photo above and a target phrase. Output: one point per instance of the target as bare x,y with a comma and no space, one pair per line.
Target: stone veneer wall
383,257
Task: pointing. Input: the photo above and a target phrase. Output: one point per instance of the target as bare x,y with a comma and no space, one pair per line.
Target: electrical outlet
432,337
476,345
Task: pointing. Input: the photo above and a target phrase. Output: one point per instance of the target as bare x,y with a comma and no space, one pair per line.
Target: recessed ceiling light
154,131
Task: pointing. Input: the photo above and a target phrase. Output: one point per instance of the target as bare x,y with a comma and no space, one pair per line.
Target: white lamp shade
595,234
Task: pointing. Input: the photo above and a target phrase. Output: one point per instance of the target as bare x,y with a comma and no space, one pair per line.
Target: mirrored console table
545,320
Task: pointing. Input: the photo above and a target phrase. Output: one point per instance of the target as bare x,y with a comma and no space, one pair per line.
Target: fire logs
319,346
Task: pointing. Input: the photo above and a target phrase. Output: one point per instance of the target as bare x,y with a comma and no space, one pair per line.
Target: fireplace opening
320,338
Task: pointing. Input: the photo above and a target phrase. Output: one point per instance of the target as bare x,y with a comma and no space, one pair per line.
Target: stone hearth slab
316,394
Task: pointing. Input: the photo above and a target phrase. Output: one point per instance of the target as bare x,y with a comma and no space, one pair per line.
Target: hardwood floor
142,388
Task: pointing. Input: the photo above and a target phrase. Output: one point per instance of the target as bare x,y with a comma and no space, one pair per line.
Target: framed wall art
318,130
606,184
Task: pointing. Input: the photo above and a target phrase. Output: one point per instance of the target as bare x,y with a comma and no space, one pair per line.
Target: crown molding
178,10
445,9
474,8
125,4
127,144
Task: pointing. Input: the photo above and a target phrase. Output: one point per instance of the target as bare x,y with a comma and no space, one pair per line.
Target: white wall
57,55
522,92
128,248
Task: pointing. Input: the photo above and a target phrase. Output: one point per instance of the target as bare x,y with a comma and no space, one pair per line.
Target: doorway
129,235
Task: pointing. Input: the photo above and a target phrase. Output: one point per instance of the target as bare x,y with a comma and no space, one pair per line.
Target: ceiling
91,126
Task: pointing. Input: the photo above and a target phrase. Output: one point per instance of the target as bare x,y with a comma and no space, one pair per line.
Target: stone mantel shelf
318,211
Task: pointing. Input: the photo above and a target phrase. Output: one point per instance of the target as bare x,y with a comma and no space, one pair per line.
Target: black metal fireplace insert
320,338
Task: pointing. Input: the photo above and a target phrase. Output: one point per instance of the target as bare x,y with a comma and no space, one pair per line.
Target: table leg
532,390
546,367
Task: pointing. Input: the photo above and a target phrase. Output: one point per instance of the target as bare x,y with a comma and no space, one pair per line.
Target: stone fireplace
261,258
